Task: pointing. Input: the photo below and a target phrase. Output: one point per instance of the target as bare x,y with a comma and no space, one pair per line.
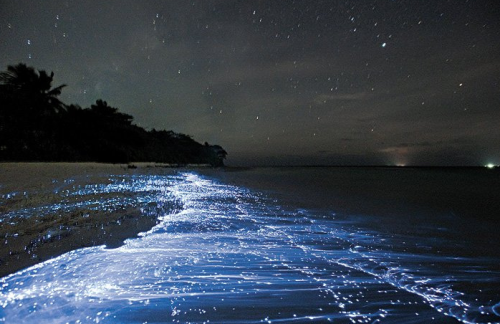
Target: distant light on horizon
491,165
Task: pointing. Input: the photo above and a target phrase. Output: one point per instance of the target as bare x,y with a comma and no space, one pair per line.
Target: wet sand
25,241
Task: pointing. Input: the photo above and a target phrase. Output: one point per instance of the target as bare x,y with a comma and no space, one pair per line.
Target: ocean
260,245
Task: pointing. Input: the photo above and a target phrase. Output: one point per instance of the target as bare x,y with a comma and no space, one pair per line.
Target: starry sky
281,82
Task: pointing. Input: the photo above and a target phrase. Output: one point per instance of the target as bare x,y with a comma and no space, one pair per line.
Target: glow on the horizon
490,166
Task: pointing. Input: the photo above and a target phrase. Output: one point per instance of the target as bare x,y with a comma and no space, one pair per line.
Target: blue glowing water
231,255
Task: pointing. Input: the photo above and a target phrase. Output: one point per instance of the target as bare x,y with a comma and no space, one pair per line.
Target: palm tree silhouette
36,126
110,114
35,87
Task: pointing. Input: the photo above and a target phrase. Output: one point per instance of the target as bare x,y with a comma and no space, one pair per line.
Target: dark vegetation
36,126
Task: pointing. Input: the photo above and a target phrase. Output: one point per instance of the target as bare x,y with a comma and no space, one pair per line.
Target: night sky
281,82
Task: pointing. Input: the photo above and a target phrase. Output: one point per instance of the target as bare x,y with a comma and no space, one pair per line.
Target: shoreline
26,241
32,242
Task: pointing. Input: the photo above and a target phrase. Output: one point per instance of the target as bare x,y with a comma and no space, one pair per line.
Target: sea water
228,254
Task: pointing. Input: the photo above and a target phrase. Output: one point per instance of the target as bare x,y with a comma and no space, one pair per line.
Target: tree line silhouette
36,126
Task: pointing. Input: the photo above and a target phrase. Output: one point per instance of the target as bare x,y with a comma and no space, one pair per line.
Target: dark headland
35,125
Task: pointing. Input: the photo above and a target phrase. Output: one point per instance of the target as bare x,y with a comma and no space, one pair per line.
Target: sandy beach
30,239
